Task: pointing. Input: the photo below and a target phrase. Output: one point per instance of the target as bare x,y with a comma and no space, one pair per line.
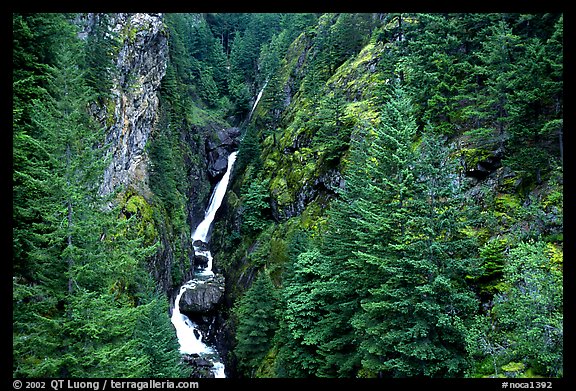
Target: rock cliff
140,66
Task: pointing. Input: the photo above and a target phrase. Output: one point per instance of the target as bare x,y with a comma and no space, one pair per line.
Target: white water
185,328
189,336
201,232
257,99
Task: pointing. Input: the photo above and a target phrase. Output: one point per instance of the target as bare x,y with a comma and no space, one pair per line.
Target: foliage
255,207
398,195
80,279
405,237
256,312
525,323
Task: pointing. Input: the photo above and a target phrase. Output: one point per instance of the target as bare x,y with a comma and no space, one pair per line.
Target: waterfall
189,336
257,99
201,232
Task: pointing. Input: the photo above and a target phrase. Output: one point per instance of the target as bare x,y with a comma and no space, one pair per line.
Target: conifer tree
258,322
499,51
255,206
324,289
157,341
412,318
78,303
333,136
100,48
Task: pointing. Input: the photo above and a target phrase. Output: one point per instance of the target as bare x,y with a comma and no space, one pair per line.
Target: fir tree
413,319
156,337
257,324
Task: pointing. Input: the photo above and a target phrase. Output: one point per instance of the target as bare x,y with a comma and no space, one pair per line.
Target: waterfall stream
257,100
189,336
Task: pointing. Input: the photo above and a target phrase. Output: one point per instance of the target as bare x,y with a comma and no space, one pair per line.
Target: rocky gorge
133,117
288,195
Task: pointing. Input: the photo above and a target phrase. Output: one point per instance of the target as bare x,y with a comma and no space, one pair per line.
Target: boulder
219,148
200,245
201,367
202,296
200,260
218,162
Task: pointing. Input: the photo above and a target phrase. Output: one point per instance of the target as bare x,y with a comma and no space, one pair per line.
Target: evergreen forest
395,209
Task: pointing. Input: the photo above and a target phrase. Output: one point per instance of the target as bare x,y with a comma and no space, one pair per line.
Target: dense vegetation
396,210
84,304
401,184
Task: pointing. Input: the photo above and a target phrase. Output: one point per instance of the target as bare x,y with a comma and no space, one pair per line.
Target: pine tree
77,291
437,69
156,338
255,206
257,323
495,70
38,282
534,110
100,49
324,289
219,63
249,151
304,305
332,136
413,315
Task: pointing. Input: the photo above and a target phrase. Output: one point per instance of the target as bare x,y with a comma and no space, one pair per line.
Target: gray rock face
326,184
141,65
218,149
202,296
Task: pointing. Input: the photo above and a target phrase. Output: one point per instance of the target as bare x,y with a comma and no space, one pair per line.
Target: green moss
267,368
233,200
310,217
507,203
484,368
555,253
278,250
554,198
473,156
128,33
357,76
509,184
279,190
364,373
506,209
135,204
110,112
531,373
513,368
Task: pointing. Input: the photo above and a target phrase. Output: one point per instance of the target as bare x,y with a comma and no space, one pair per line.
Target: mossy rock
507,203
513,369
135,204
474,156
267,368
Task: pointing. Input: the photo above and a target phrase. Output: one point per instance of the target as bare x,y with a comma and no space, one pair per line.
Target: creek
189,335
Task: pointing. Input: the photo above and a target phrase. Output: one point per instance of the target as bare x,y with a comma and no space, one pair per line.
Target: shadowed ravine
189,335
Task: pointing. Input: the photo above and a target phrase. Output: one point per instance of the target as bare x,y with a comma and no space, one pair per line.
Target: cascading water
257,99
189,336
201,232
